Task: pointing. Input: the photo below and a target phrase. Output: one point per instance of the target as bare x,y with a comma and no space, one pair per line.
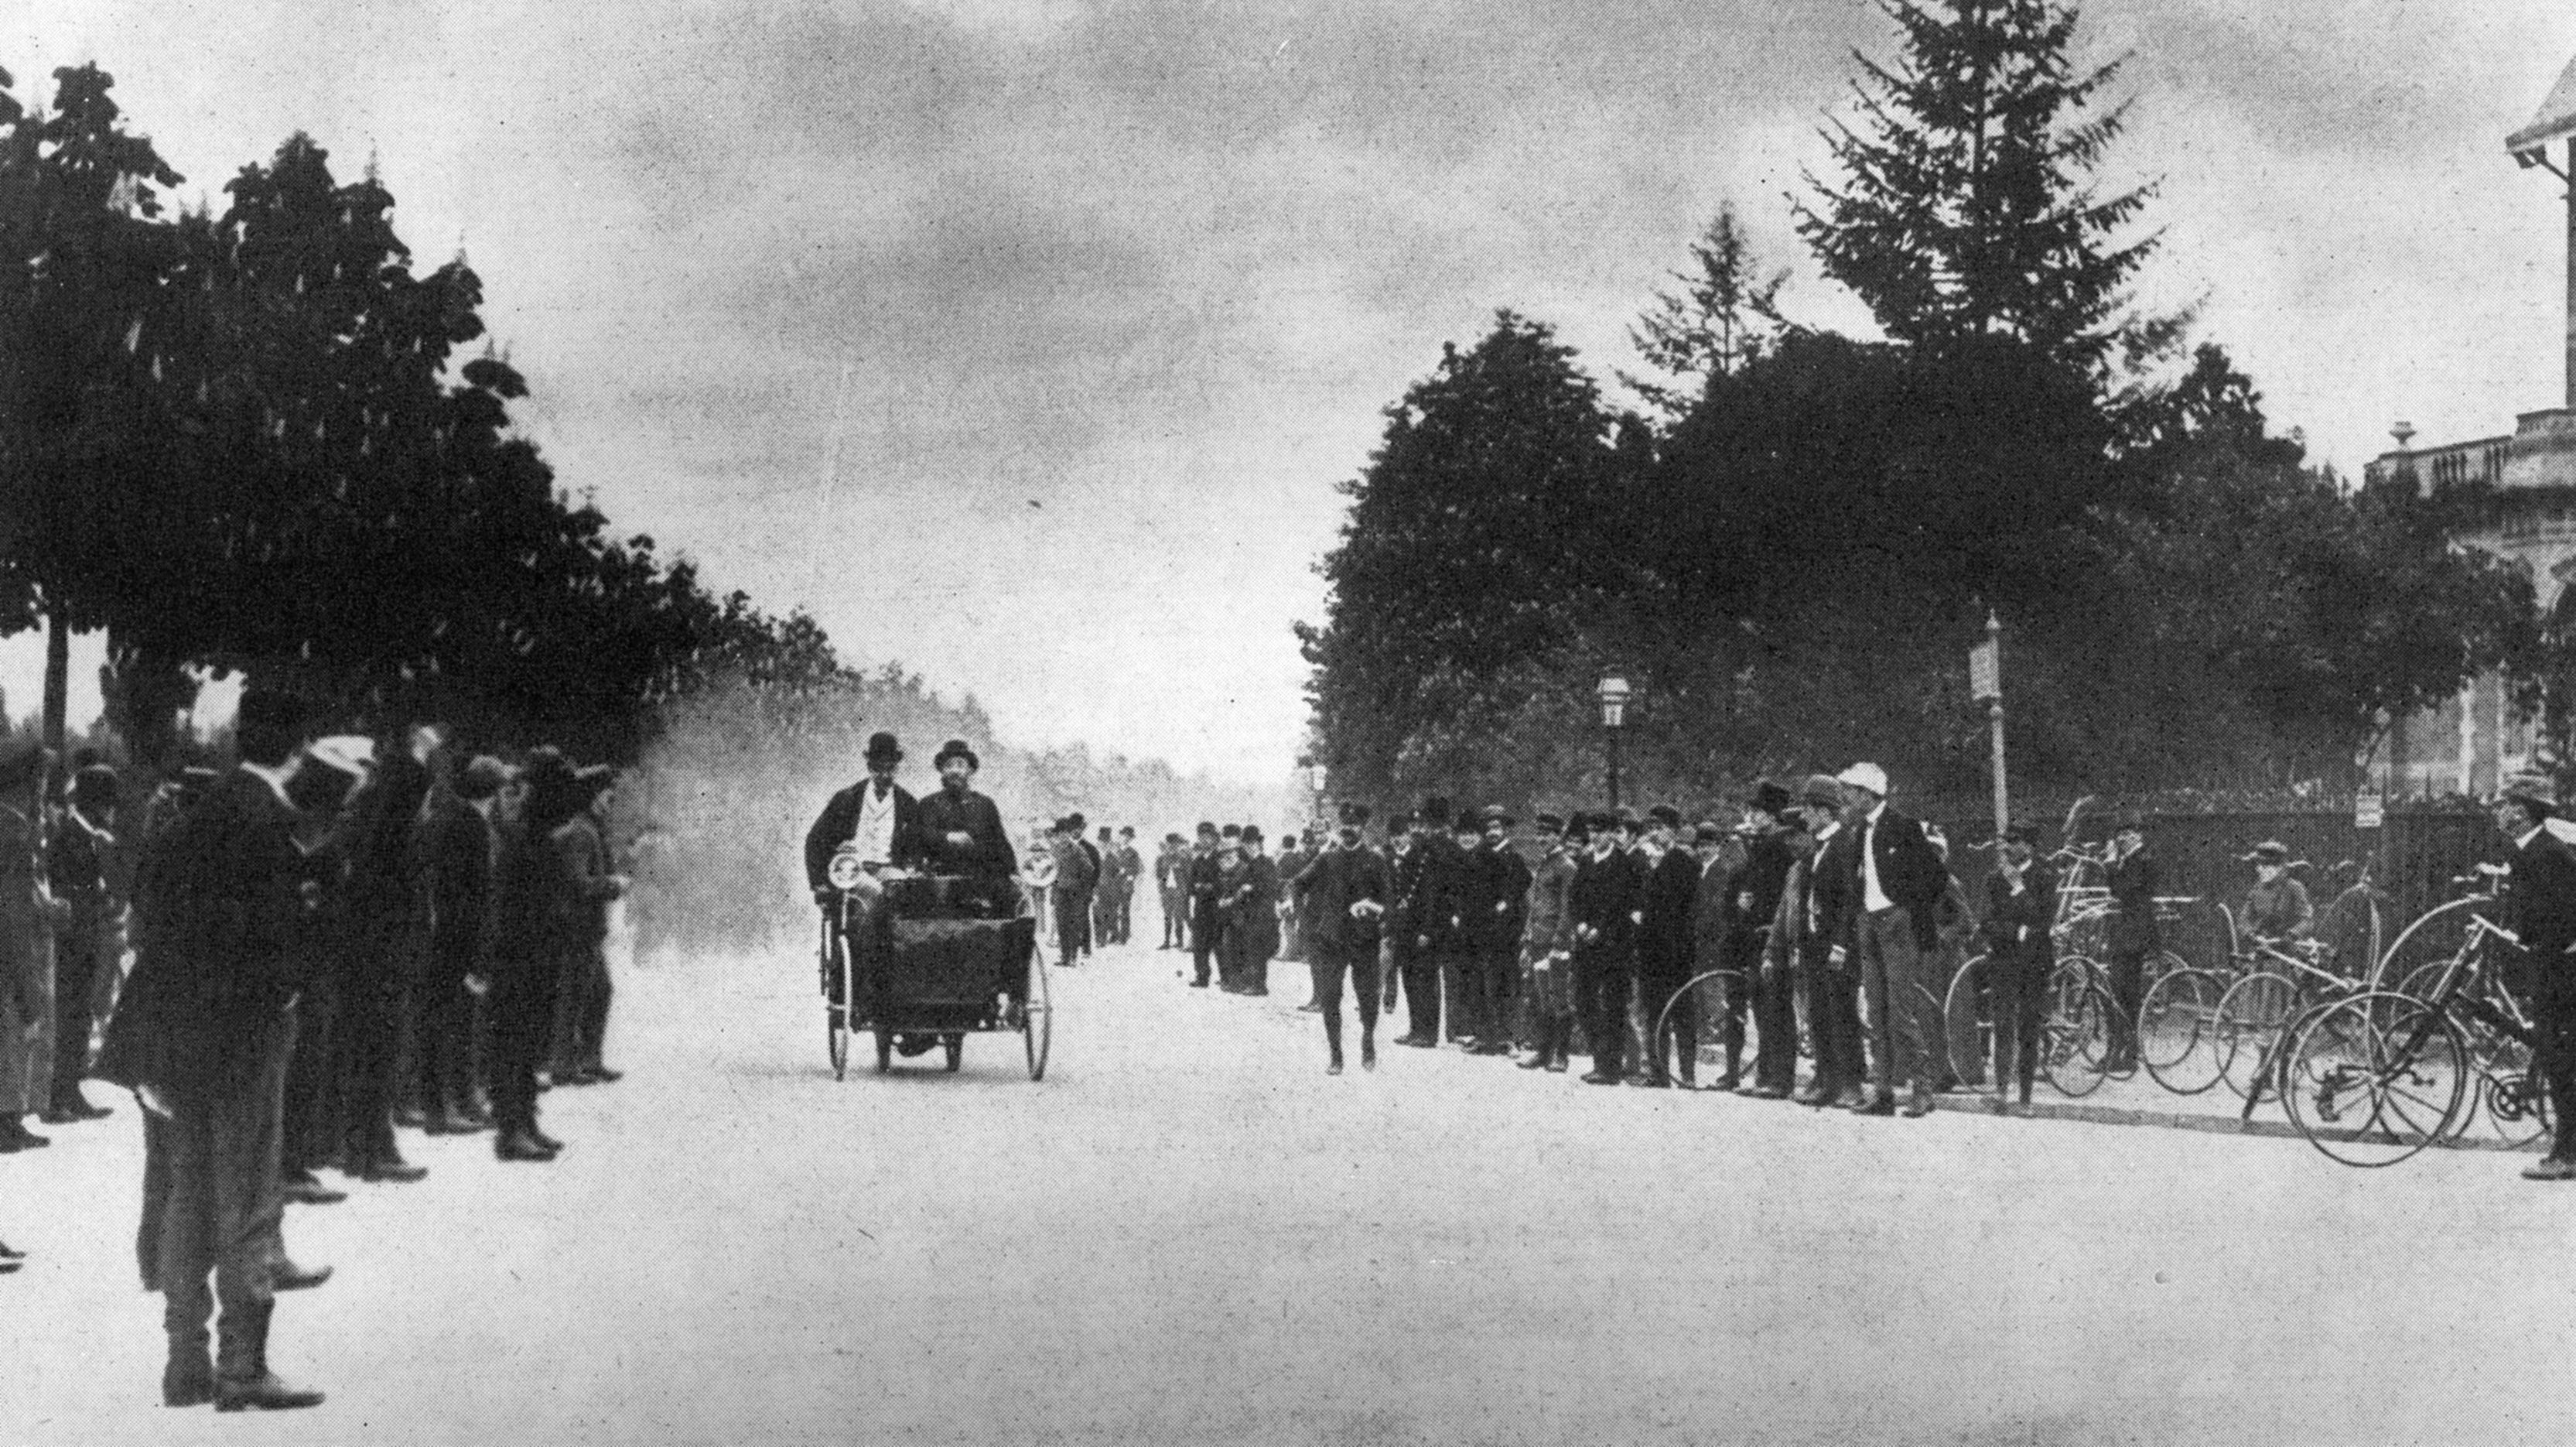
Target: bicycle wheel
2075,1042
2436,934
2247,1028
2351,928
2177,1031
1968,1021
1710,989
2372,1079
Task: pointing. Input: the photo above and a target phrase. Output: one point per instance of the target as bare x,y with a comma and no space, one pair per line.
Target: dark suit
1666,951
1494,894
1337,944
1752,905
2540,908
840,819
225,1021
1893,942
2131,935
1824,887
1204,878
76,867
455,844
1605,893
2019,958
1432,947
986,855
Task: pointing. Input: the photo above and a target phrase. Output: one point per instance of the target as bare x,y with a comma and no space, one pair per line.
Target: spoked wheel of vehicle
837,1027
2075,1041
836,1012
2250,1019
1968,1021
2373,1079
885,1049
2434,935
2178,1030
1708,991
2507,1103
1037,1016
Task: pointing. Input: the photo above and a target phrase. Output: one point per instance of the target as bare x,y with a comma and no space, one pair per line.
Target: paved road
1188,1234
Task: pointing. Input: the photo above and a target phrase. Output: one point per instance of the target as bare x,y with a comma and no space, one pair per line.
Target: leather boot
1734,1067
243,1382
189,1379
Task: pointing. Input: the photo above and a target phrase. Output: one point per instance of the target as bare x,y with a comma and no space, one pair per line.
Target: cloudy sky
1026,340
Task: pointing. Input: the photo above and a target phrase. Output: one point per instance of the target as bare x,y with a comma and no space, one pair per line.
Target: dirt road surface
1188,1234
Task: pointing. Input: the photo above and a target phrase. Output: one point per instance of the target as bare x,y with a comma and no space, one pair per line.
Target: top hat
883,749
955,749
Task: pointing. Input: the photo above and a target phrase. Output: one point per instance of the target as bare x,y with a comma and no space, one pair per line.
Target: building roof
2557,117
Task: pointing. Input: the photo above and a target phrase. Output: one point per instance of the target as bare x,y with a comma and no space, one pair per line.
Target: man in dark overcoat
1825,894
2131,935
958,831
2540,908
1605,902
1752,906
76,866
1665,951
1428,881
1490,919
227,1027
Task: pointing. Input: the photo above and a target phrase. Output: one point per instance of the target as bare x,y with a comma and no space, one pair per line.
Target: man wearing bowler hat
868,817
1490,916
2540,908
959,831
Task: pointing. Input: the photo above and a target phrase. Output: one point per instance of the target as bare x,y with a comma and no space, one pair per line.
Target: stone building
2468,745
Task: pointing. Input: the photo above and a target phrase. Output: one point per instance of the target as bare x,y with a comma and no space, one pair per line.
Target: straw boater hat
1865,776
2530,788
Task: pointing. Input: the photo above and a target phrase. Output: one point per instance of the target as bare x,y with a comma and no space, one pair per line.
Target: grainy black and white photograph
1094,723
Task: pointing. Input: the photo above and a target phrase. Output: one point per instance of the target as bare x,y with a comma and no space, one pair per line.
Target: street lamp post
1614,694
1315,776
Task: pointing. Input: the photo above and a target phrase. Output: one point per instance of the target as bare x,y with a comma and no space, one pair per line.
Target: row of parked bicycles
2376,1043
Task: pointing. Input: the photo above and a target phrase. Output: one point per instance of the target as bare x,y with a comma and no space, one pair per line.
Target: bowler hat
1251,833
883,749
1770,798
1469,821
1625,818
1495,814
955,749
1707,833
1232,831
2270,851
482,778
1076,820
1206,828
1434,807
1549,823
1822,791
1354,815
1666,815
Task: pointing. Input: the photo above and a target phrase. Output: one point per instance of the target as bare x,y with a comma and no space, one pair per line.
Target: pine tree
1968,208
1721,321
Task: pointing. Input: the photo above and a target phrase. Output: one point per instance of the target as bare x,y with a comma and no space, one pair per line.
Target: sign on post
2369,811
1986,672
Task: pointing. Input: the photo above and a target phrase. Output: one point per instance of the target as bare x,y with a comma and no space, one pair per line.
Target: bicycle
2374,1079
2434,935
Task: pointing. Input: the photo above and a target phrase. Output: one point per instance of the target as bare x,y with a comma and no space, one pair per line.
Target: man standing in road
76,868
1664,951
1605,901
1752,904
1205,879
1172,888
1426,888
238,907
1491,920
1547,944
1120,867
1076,877
1342,897
2540,908
1897,883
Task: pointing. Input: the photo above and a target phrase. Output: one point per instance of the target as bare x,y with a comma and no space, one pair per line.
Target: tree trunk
58,668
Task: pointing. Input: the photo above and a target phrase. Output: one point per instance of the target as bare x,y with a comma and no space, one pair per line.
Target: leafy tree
1490,512
1722,319
82,256
1967,207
